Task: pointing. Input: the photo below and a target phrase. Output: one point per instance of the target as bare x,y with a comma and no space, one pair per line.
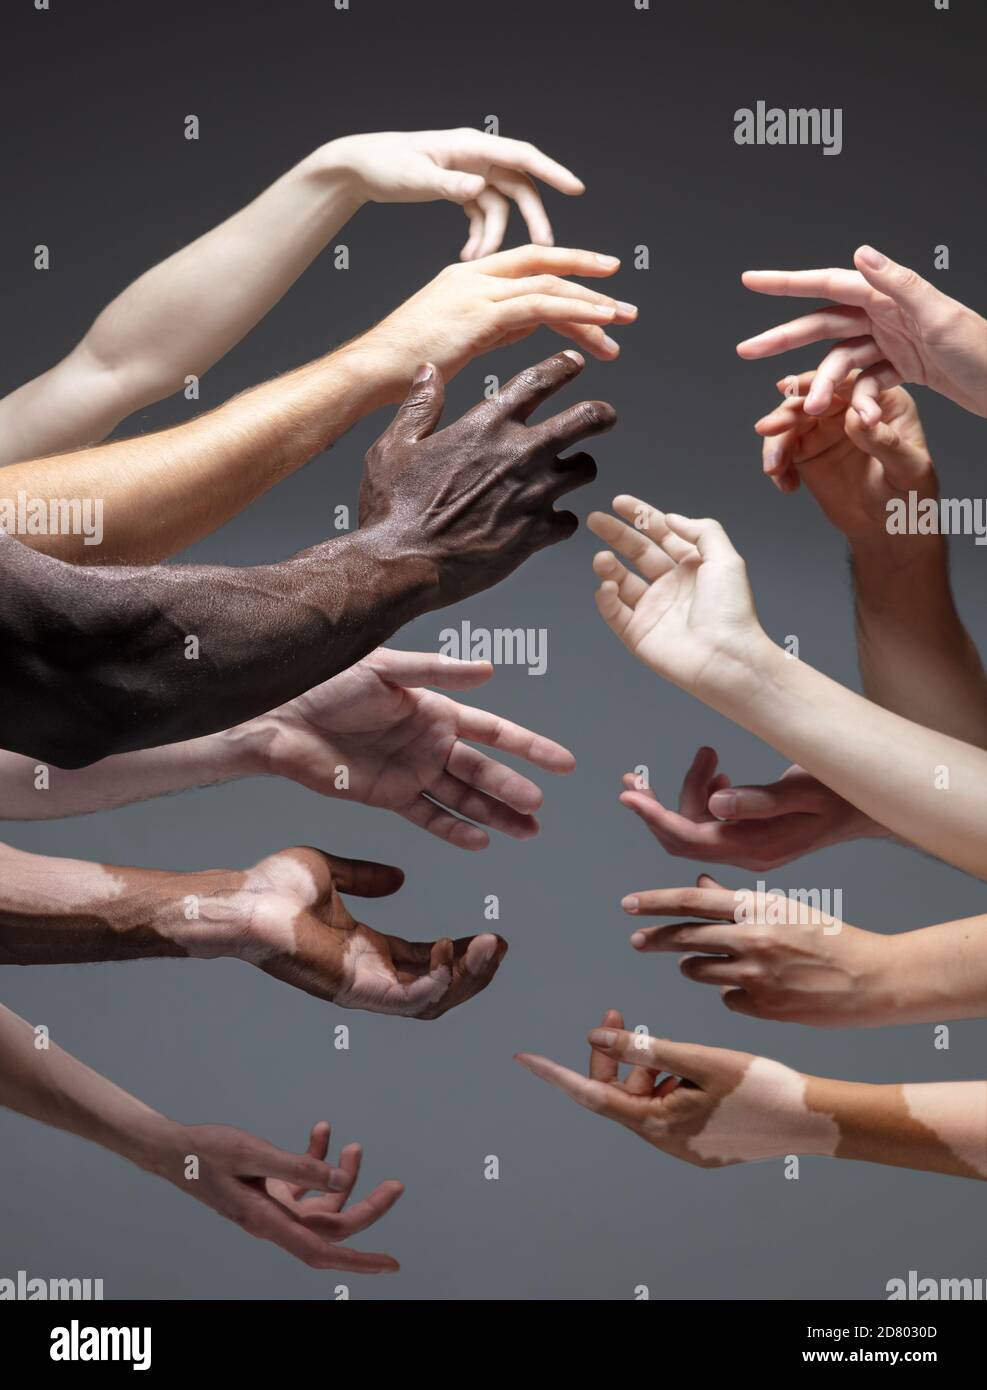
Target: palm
673,621
333,956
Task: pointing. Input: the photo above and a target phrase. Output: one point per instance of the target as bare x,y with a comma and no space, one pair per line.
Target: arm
785,958
691,618
715,1107
916,657
244,1179
403,748
286,916
181,317
893,326
139,500
98,658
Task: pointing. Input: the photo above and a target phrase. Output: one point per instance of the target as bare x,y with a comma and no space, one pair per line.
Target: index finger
521,154
597,1096
557,260
717,903
843,286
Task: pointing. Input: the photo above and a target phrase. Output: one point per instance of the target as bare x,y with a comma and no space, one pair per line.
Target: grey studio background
641,105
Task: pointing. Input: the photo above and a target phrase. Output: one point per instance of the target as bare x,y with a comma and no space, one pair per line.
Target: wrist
735,670
331,172
207,914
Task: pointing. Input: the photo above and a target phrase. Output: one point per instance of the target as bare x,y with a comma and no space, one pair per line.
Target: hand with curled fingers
473,308
288,917
686,609
705,1105
481,172
262,1189
772,955
467,504
853,469
892,327
750,827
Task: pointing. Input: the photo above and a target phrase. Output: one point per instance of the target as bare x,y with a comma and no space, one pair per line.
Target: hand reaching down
483,173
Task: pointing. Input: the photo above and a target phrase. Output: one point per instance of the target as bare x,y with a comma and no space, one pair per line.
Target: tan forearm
149,497
916,657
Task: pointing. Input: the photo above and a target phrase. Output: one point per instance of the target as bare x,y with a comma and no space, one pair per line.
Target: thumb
457,187
907,289
422,407
760,803
364,878
904,463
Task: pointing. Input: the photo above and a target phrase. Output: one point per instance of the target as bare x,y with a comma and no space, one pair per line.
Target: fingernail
772,460
576,357
423,373
872,258
604,311
337,1180
607,260
638,939
723,804
608,344
630,903
603,1037
626,308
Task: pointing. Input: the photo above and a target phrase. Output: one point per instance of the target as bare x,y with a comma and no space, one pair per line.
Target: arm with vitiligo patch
712,1107
262,1189
286,915
102,661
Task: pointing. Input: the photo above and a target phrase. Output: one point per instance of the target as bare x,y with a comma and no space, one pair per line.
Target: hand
852,469
692,611
483,173
470,503
262,1189
894,327
471,309
749,827
404,748
713,1107
772,957
299,930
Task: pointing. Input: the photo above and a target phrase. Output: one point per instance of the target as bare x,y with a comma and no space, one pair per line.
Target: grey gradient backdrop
641,105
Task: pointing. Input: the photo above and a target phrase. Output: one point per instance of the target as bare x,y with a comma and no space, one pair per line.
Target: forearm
934,975
47,1084
103,661
32,791
923,786
937,1128
182,316
916,657
64,911
137,501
